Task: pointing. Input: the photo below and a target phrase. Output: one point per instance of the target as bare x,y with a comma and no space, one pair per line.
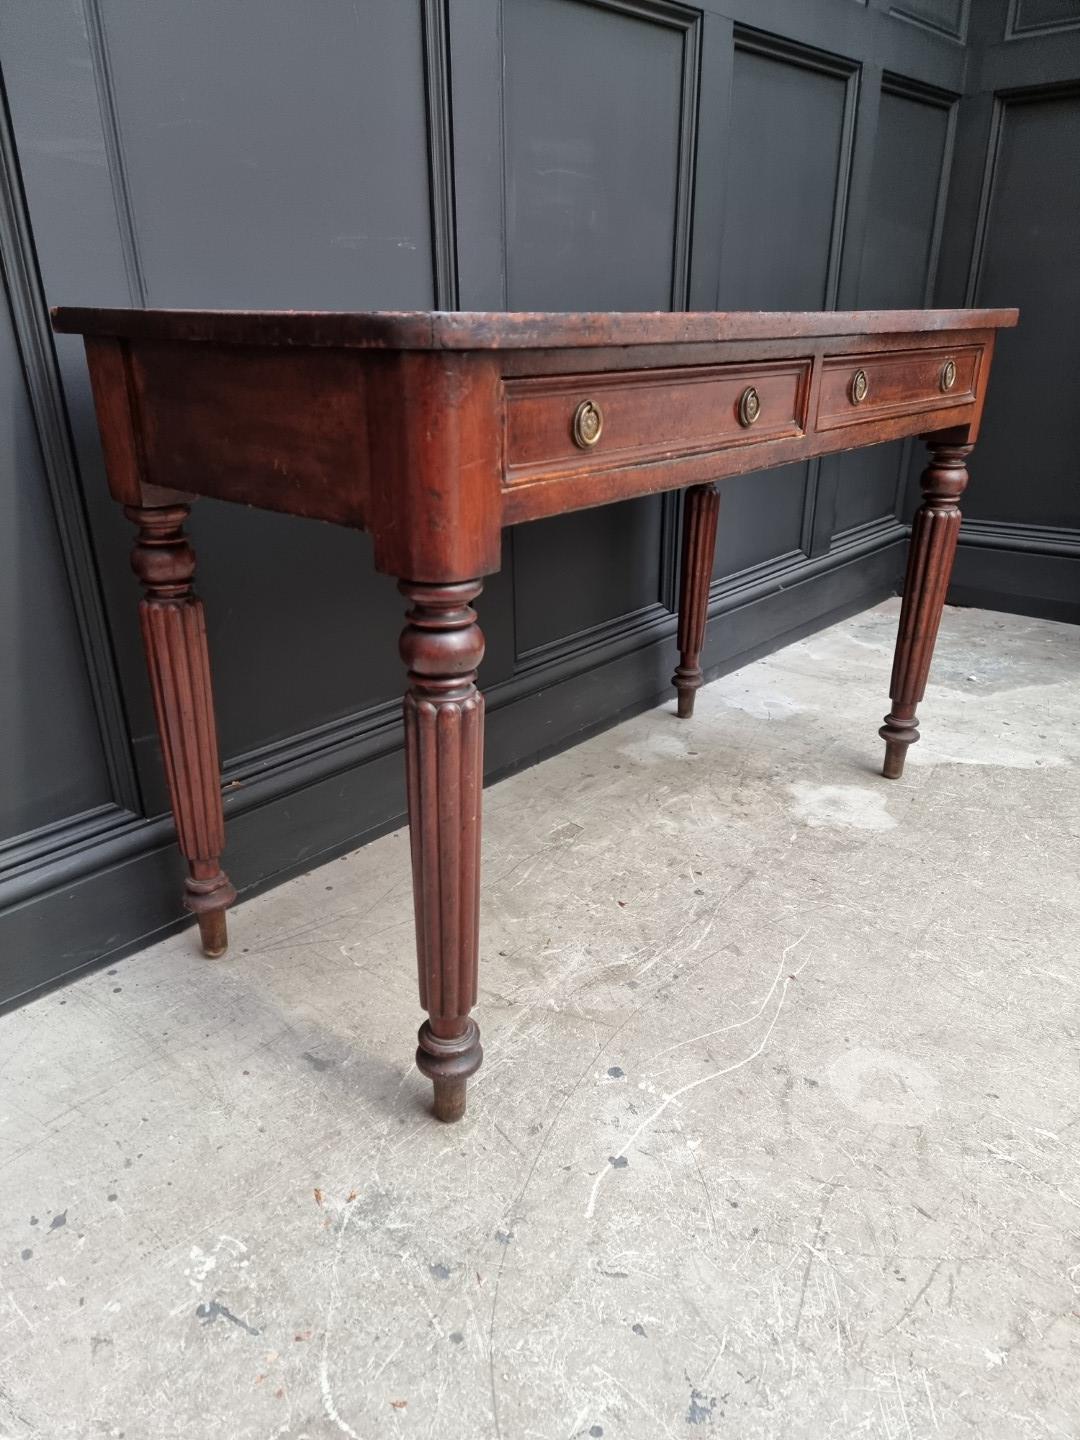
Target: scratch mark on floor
923,1288
602,1175
737,1024
812,1248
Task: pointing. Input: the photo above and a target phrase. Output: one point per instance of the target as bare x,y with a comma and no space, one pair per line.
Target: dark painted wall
1014,229
560,154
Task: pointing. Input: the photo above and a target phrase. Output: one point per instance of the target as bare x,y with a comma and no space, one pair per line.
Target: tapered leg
930,559
699,547
444,762
174,636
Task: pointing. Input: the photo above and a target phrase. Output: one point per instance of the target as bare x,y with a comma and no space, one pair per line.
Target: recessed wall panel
910,152
1029,260
1040,17
593,105
53,767
786,168
276,156
947,17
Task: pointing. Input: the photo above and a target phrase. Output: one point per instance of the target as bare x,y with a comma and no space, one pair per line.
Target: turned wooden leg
699,546
174,635
444,763
930,559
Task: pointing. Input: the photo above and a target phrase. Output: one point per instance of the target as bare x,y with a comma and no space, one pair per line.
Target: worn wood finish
435,431
699,547
304,454
930,561
435,427
650,413
442,645
174,637
897,383
499,330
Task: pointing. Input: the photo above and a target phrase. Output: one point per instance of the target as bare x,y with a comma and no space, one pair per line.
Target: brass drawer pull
948,375
749,406
588,424
860,387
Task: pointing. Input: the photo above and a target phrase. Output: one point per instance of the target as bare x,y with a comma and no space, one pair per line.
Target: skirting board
1023,569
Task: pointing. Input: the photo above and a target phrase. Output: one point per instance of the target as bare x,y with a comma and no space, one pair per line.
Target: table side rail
276,428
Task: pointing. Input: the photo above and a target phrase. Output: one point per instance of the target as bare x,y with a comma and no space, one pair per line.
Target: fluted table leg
174,637
442,646
699,547
930,560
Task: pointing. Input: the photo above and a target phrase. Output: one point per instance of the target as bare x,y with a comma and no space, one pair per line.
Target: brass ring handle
860,387
948,375
749,406
588,424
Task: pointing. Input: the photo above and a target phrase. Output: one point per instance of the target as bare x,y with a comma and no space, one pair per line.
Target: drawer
573,423
862,387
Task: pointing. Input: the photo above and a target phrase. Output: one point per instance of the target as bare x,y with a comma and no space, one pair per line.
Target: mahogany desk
435,430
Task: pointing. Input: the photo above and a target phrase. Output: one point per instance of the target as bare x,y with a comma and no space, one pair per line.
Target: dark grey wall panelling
54,767
218,108
909,184
944,17
552,154
790,132
1014,228
1031,234
910,181
1041,17
599,166
1030,247
598,156
101,143
67,774
789,141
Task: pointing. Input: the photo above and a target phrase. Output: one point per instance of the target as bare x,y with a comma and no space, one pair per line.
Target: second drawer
864,387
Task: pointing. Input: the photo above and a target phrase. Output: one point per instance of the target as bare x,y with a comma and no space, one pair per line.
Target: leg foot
895,755
699,545
900,730
214,933
449,1104
930,558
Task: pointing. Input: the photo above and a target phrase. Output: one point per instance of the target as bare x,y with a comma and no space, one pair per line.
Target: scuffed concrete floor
778,1132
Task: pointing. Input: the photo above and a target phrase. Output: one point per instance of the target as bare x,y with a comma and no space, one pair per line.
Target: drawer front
576,423
862,387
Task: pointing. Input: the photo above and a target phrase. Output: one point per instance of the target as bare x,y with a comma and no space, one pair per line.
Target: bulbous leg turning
448,1063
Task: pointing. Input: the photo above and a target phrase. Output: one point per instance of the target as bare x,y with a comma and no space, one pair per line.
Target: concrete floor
778,1133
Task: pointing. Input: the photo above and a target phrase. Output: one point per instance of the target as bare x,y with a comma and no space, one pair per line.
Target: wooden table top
497,330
